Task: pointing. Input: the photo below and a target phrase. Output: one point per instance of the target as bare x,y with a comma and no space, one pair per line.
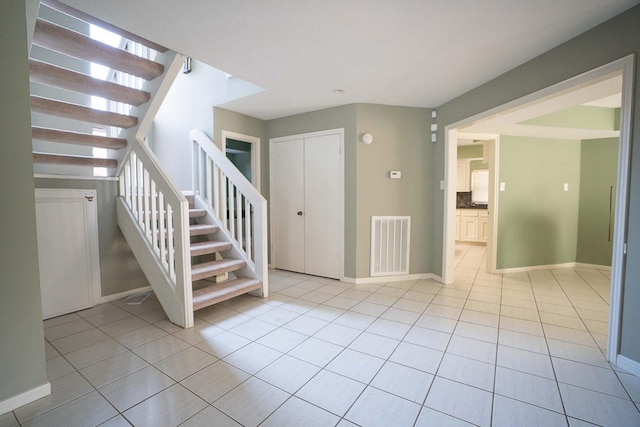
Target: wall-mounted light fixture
186,65
366,138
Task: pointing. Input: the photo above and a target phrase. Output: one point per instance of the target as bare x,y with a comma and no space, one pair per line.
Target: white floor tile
337,334
525,361
134,388
598,408
478,332
180,365
355,365
467,371
253,329
480,318
428,338
161,348
430,418
473,349
223,344
377,408
306,325
282,339
375,345
208,417
288,373
167,408
569,335
470,404
528,388
437,323
252,357
415,356
251,402
90,409
140,336
523,341
296,412
214,381
316,352
344,392
512,413
577,352
389,328
112,369
602,380
403,381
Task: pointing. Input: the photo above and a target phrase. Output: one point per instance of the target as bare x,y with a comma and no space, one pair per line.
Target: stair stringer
235,253
174,291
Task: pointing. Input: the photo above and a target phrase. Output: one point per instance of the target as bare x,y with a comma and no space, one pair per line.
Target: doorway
244,152
624,67
307,182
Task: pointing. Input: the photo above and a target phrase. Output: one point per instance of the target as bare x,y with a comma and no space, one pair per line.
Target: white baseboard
21,399
628,365
551,267
385,279
116,297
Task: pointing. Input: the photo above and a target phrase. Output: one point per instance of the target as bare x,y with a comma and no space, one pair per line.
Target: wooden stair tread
200,229
61,159
209,247
52,75
197,213
215,268
79,112
71,11
219,292
68,137
63,40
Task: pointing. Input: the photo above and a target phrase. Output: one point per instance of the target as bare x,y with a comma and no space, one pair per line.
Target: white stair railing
237,205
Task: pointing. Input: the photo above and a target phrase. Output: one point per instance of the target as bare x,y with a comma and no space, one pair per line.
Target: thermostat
395,174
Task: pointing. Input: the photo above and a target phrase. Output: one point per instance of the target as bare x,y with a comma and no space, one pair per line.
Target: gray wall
603,44
119,270
22,360
538,220
598,174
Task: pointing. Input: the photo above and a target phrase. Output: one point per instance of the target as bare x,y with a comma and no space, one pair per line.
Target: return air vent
390,239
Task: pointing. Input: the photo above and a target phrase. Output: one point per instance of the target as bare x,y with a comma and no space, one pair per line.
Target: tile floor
504,350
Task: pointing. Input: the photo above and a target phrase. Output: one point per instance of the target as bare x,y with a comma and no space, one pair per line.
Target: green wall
470,152
580,117
598,174
119,270
612,40
22,360
537,220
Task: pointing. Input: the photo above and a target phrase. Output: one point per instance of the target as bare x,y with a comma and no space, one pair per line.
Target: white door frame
255,152
626,66
339,131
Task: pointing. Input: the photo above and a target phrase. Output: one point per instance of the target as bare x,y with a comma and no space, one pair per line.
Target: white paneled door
67,229
306,203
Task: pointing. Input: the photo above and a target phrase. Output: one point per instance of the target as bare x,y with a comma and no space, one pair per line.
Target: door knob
299,213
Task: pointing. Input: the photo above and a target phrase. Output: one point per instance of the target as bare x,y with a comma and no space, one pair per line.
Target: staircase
191,253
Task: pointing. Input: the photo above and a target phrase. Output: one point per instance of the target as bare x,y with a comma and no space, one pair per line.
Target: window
480,186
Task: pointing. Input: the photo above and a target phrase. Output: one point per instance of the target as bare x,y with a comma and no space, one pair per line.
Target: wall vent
390,239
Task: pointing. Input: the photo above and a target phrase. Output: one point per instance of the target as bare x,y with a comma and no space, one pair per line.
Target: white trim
21,399
551,267
76,177
386,279
272,141
624,65
627,364
121,295
255,153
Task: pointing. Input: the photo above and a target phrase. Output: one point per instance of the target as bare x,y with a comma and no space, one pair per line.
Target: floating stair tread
67,137
215,268
60,159
71,11
63,40
200,229
209,247
219,292
81,113
197,213
41,72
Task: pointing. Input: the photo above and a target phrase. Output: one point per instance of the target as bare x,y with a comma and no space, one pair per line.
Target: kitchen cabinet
472,225
463,177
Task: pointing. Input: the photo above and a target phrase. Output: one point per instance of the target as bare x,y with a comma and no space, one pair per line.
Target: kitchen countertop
472,207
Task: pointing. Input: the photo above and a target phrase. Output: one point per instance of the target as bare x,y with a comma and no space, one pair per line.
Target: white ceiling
418,53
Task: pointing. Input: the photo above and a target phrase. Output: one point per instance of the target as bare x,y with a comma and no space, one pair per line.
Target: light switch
502,186
395,174
566,186
442,184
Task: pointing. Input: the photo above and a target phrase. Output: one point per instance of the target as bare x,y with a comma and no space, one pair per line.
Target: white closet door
322,233
287,168
67,229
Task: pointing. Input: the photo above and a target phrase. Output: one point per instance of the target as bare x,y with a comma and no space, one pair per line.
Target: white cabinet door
67,228
469,229
463,177
306,204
